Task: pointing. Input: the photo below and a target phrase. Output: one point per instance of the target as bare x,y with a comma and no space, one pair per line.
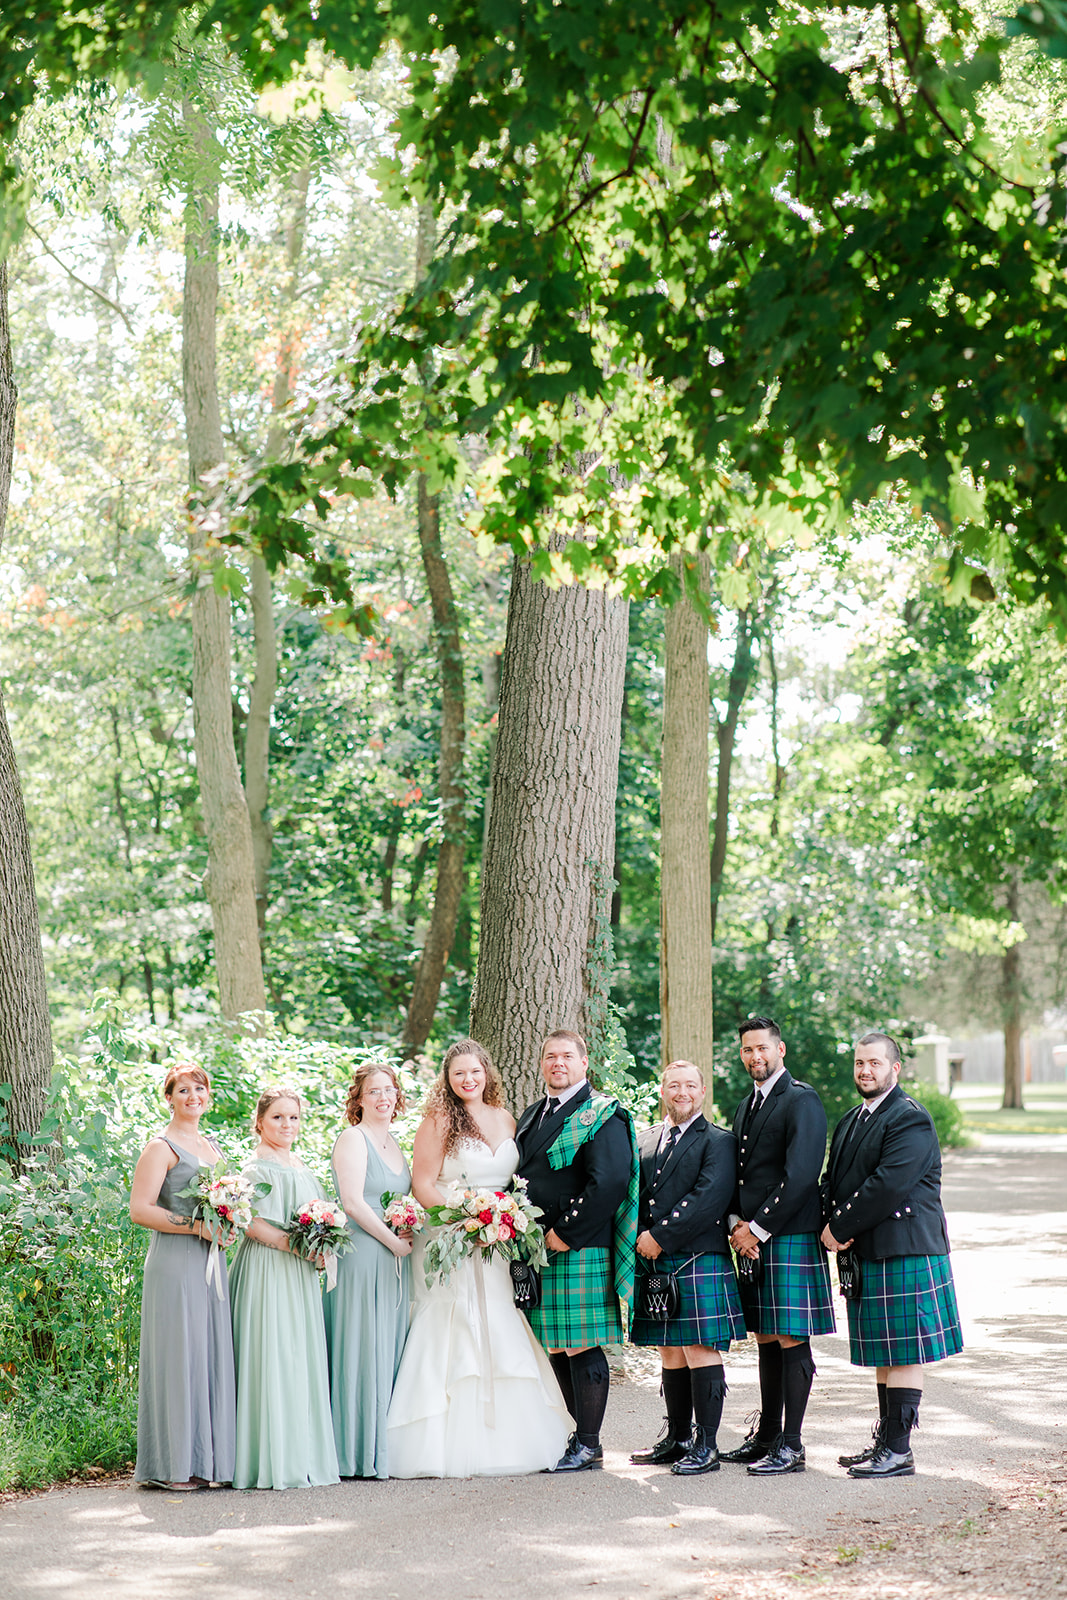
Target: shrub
947,1116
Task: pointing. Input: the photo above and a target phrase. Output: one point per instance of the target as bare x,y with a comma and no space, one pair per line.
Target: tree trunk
552,820
1011,991
741,674
451,856
25,1028
451,785
230,879
686,1031
265,680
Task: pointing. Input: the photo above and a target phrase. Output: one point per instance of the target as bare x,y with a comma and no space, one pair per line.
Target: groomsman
882,1201
578,1154
688,1173
781,1134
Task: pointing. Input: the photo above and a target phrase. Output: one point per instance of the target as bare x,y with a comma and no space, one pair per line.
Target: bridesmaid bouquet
402,1213
224,1202
486,1221
320,1228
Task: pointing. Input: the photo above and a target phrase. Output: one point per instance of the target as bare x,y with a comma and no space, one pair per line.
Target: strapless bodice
475,1166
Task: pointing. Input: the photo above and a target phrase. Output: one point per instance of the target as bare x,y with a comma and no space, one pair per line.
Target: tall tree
686,1000
551,836
230,880
25,1029
451,788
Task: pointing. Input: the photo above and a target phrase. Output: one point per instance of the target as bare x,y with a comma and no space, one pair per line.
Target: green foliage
946,1114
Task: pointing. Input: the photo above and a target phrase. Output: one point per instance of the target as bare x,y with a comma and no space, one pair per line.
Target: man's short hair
565,1033
758,1025
672,1064
891,1047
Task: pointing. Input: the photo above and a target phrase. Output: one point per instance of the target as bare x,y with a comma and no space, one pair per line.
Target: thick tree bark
1011,996
451,856
552,823
685,852
230,878
25,1028
741,675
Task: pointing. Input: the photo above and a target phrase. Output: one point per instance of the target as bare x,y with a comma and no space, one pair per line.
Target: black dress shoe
885,1463
663,1453
579,1457
753,1449
780,1459
877,1440
701,1457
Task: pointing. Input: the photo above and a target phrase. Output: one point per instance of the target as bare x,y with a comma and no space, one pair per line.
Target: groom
578,1154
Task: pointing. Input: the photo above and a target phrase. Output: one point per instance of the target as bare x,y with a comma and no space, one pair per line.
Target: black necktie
665,1154
757,1101
861,1122
551,1106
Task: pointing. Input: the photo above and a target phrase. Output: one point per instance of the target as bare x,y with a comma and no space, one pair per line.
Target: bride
475,1395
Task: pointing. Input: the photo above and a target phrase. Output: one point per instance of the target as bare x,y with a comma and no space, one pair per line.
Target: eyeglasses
379,1094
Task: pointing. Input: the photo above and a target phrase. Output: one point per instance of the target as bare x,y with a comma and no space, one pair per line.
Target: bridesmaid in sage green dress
284,1434
185,1399
367,1313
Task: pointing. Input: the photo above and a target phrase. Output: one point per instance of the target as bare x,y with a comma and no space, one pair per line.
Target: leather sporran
525,1285
849,1274
658,1296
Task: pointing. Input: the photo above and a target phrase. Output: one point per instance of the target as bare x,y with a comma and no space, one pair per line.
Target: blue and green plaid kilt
710,1310
579,1307
906,1314
794,1297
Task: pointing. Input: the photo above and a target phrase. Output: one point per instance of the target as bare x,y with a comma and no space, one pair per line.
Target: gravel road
983,1516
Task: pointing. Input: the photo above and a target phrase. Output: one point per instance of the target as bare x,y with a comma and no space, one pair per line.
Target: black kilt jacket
780,1158
685,1207
882,1188
579,1201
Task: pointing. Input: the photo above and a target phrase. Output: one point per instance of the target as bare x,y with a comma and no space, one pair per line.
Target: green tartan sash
579,1127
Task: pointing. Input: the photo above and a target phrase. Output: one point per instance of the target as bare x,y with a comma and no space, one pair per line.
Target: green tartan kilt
906,1314
795,1296
710,1309
579,1307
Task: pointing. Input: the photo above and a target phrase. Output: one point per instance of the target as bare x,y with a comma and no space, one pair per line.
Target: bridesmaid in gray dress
186,1411
367,1313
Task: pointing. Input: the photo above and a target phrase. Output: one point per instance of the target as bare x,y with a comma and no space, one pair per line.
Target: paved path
626,1533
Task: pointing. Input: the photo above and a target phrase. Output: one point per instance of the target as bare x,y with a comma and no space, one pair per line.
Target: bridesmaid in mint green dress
284,1433
367,1313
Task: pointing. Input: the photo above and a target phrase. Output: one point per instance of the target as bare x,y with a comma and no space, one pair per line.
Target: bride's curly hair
444,1105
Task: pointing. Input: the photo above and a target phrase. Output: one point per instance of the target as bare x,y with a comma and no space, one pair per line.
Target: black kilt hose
710,1310
794,1297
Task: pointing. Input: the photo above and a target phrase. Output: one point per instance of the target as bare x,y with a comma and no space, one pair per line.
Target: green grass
54,1433
1045,1108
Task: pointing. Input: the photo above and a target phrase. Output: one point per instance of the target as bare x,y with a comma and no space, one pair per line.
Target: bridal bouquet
319,1228
488,1221
224,1202
402,1213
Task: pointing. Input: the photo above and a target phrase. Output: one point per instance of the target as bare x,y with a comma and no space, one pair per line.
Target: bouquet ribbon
213,1269
330,1263
486,1363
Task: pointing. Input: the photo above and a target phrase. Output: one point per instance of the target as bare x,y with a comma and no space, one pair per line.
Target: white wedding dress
475,1395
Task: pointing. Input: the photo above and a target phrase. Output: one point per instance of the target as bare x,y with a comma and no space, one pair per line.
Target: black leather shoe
663,1453
701,1457
753,1449
780,1459
877,1440
885,1463
579,1457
